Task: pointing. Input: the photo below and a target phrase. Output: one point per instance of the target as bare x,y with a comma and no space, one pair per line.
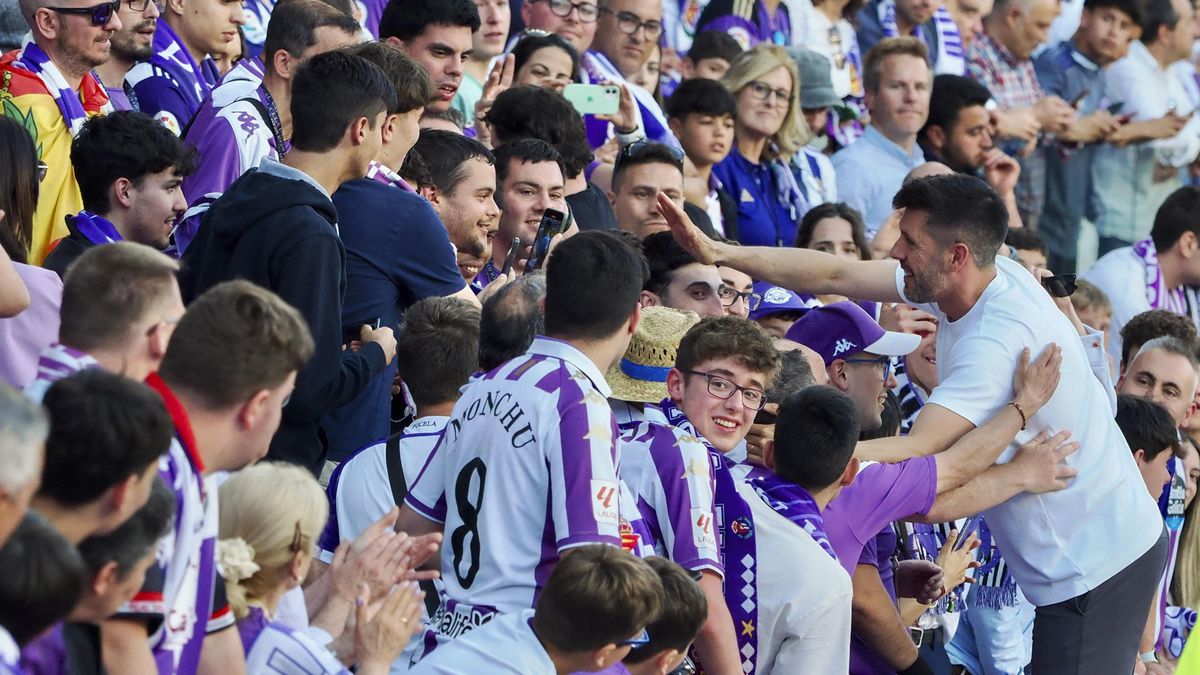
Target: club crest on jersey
168,120
843,345
702,529
741,527
604,501
630,540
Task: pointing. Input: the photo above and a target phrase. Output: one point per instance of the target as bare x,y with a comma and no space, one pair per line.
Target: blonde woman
271,515
769,129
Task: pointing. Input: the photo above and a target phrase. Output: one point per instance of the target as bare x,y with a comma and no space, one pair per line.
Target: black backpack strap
399,489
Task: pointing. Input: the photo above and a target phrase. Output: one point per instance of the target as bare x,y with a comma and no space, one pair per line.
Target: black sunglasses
100,14
648,149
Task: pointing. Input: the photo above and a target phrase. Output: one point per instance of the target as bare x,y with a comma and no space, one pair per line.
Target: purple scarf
735,539
195,82
96,229
74,111
1175,299
794,503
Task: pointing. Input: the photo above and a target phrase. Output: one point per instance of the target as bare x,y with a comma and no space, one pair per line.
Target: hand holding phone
512,256
1060,285
554,222
969,528
594,99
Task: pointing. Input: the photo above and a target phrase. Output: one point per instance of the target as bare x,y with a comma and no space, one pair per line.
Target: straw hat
641,375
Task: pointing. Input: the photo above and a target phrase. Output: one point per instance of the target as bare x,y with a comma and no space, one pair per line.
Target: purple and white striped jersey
272,648
171,85
525,470
674,487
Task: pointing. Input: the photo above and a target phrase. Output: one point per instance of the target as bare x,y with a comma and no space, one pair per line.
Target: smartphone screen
553,223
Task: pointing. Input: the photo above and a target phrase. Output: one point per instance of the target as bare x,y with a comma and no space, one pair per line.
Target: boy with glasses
49,87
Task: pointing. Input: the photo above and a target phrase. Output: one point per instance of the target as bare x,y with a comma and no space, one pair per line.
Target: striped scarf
74,111
797,505
950,58
994,586
1180,300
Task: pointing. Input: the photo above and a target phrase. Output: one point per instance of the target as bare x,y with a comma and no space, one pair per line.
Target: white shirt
506,644
803,597
1149,91
1058,545
1122,276
526,469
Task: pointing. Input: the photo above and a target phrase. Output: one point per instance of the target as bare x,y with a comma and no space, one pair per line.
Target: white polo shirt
505,645
1059,545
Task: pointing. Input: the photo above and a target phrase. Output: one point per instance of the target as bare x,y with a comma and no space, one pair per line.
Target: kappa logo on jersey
843,345
604,501
702,529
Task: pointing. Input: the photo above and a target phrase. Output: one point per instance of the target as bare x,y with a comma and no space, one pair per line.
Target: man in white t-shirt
1160,272
593,609
526,470
1059,545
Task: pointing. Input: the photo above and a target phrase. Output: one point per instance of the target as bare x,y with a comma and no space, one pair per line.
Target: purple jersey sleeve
584,493
892,492
677,496
159,96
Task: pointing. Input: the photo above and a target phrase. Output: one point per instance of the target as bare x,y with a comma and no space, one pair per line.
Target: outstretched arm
800,270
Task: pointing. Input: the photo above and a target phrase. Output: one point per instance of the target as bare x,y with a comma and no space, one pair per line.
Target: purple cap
776,299
843,329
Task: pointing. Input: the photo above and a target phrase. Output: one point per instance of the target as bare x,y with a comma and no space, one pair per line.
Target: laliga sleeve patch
168,120
702,530
604,501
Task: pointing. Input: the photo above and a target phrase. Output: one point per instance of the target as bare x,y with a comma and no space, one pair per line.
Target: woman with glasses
542,59
23,336
265,550
769,129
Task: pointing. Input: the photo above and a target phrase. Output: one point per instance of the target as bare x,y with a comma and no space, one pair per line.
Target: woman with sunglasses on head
768,130
542,59
23,336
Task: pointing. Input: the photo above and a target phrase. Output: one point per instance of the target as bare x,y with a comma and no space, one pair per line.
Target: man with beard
133,42
958,134
462,190
989,309
129,169
928,20
437,35
48,86
529,180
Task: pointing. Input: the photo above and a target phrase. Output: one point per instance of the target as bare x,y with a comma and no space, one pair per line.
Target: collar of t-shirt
559,349
280,170
876,138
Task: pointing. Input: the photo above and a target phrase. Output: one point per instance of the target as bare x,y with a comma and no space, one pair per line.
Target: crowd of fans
866,342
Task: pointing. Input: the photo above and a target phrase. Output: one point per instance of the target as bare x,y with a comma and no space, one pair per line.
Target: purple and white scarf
36,61
794,503
1178,299
735,539
994,585
950,58
596,68
96,229
382,174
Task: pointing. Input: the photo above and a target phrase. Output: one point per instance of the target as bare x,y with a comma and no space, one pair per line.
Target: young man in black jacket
277,227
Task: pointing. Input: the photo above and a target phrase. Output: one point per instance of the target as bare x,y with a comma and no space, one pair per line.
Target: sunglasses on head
638,149
99,14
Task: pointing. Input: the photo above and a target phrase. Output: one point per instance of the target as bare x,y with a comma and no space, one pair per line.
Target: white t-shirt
506,644
803,597
1122,276
1062,544
526,469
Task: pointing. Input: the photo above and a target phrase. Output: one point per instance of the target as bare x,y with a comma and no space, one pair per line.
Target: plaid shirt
1013,84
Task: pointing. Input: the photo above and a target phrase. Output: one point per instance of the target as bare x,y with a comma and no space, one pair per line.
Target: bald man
70,38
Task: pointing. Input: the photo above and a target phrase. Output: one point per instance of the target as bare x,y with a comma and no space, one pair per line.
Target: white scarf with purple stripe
950,58
1179,300
36,61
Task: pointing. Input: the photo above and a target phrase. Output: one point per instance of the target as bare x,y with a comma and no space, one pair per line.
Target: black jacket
280,234
68,249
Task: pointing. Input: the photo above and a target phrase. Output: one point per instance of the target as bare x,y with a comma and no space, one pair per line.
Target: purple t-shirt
879,494
47,655
877,552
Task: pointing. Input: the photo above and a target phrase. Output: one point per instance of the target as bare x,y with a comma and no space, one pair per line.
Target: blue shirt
391,263
763,219
870,172
1064,72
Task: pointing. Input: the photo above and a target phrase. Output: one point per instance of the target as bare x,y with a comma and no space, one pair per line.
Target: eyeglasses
42,169
885,361
724,388
639,640
630,23
100,14
762,92
729,296
588,12
142,5
640,149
